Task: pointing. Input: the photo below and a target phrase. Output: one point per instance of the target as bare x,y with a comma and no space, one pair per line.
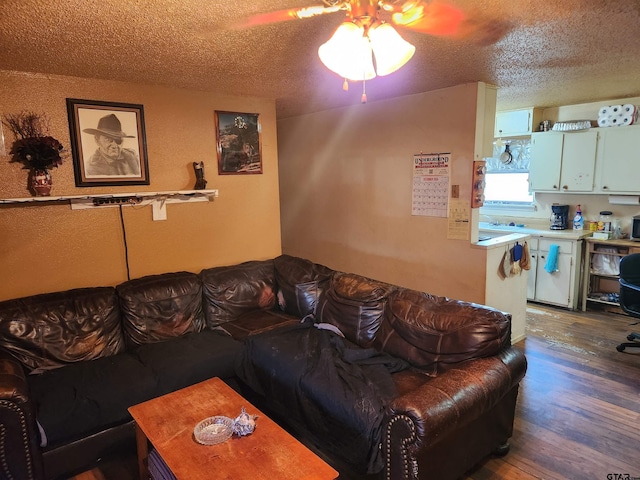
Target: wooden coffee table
269,453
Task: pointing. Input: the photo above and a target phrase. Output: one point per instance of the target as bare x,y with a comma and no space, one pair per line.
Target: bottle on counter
604,222
616,229
578,221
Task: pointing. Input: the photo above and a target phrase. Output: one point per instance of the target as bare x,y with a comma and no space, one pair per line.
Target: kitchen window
507,177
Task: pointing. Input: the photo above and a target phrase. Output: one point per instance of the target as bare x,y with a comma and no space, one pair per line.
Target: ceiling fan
367,33
435,17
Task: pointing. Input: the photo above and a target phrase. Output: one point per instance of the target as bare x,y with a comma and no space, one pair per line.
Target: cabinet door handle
605,187
565,187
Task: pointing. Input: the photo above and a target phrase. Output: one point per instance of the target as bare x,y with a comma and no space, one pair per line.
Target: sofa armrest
423,417
20,455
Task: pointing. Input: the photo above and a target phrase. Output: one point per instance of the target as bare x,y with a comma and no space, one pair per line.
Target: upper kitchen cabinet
563,162
619,160
546,159
517,123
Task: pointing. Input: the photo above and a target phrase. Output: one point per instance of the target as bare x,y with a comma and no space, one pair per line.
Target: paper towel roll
603,121
615,120
616,109
624,199
629,109
626,120
604,111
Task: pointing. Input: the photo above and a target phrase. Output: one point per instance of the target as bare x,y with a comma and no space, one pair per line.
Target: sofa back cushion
435,333
53,329
231,291
300,284
355,305
159,307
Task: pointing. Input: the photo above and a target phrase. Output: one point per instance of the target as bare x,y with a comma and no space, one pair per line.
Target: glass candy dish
213,430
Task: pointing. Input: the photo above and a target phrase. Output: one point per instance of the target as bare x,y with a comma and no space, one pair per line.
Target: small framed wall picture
108,143
239,143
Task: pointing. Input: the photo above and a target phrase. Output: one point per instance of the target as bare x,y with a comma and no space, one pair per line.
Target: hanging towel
516,255
525,261
502,273
552,260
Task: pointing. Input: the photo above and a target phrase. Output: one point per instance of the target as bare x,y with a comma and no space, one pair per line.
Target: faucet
491,220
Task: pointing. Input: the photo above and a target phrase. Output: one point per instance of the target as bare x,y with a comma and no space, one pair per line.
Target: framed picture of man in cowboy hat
108,143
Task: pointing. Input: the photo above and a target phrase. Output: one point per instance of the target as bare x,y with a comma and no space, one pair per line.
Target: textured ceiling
554,53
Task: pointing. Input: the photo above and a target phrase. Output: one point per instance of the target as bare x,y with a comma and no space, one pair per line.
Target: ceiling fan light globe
390,50
348,53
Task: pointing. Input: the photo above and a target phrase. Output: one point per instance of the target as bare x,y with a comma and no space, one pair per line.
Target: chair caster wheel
631,337
620,348
502,450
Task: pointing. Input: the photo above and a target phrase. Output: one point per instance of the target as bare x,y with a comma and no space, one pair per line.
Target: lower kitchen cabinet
531,280
562,286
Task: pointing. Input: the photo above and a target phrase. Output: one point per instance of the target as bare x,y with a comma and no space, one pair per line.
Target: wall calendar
430,194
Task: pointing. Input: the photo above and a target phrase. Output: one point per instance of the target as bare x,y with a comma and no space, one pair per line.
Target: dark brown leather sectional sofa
439,377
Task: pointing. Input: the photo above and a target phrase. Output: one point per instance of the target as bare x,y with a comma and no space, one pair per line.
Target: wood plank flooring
578,413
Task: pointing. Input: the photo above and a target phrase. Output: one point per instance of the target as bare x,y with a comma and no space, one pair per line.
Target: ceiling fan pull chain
364,92
345,85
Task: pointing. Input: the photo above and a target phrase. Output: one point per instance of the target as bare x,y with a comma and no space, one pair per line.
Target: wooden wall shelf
158,200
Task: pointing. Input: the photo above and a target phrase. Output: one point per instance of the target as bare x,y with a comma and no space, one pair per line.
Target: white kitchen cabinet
546,159
619,160
578,161
563,162
555,287
562,286
517,123
533,261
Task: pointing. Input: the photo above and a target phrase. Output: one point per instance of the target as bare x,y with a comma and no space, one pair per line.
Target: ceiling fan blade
434,18
290,14
441,19
483,30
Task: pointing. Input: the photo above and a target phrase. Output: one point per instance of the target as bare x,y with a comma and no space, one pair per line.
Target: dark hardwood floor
578,413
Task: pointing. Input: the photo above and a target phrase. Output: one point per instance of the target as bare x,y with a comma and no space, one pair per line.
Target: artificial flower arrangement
33,147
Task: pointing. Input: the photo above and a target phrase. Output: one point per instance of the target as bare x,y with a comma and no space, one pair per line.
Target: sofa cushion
85,397
329,390
257,321
53,329
159,307
300,284
355,305
232,291
435,333
189,359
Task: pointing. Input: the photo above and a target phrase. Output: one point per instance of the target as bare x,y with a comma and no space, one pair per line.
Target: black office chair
630,295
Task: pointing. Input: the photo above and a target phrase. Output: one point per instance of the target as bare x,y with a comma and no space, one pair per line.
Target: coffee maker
559,217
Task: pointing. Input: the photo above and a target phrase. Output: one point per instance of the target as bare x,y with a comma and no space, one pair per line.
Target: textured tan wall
345,189
48,248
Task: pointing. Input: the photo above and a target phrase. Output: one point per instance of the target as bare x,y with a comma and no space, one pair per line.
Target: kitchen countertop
519,234
534,230
501,240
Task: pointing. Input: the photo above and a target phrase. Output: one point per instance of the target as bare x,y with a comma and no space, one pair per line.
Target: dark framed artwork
108,143
239,143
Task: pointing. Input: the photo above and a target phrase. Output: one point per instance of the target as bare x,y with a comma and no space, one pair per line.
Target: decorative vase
41,182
